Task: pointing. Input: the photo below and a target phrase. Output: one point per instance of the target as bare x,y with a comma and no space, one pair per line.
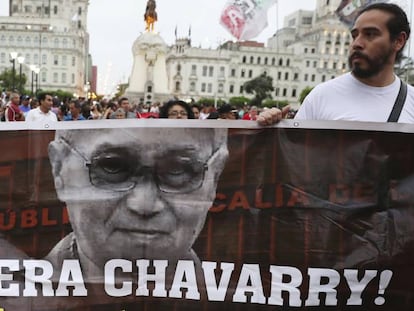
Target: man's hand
272,116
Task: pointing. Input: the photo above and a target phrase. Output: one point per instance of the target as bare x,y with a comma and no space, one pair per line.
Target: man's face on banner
137,193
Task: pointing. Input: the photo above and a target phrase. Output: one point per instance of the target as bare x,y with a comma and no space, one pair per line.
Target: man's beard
375,65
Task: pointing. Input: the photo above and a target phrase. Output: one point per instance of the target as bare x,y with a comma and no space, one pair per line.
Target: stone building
52,38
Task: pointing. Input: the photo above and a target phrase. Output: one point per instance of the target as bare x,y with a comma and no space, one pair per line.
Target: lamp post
20,60
13,56
36,71
32,69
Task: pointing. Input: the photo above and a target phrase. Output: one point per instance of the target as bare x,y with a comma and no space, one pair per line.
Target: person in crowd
369,92
128,197
13,112
176,109
205,111
196,111
75,112
34,103
43,112
96,111
119,114
226,111
123,103
252,114
25,104
110,109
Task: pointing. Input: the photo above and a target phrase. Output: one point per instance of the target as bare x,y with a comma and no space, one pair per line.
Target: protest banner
197,216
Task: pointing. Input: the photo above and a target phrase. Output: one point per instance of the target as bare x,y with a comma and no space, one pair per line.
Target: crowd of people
14,107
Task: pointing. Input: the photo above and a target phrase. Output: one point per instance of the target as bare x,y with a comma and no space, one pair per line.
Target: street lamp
13,56
36,70
20,60
32,69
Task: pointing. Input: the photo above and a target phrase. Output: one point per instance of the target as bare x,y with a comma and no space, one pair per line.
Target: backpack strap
399,103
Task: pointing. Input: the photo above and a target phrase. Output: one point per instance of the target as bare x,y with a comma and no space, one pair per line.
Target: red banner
171,216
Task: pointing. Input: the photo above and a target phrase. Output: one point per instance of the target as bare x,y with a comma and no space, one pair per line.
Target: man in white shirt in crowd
369,91
43,112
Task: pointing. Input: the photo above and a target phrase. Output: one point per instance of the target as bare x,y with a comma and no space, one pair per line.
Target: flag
245,19
348,10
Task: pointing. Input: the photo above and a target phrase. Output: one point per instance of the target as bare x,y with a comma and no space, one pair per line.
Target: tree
261,87
304,93
239,101
6,80
270,103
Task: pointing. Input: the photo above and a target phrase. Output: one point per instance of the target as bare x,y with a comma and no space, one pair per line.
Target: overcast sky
114,25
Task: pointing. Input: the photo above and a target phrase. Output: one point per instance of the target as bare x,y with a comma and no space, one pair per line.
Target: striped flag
348,10
245,19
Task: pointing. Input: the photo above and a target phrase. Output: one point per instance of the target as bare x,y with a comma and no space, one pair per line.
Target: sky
114,25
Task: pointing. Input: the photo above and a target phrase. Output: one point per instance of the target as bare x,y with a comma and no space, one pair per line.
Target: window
294,93
3,57
313,78
279,75
178,68
259,60
305,77
73,78
273,61
177,86
55,60
323,79
242,73
244,60
241,89
204,71
73,61
64,77
27,58
55,77
194,70
203,87
56,43
288,62
307,63
295,76
233,72
55,10
64,60
265,61
36,58
286,76
251,59
44,59
192,86
220,88
210,71
315,63
231,89
277,91
43,76
210,88
284,92
250,73
65,43
222,71
280,62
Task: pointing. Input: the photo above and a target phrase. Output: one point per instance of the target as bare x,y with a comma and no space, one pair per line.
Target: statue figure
150,15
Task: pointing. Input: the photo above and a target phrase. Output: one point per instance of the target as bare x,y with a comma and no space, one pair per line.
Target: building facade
310,48
52,38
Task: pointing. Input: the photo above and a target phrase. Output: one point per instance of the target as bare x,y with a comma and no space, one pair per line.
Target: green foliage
210,101
270,103
304,93
239,101
6,80
261,87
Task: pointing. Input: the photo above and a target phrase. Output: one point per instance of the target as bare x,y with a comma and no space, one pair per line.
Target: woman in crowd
176,109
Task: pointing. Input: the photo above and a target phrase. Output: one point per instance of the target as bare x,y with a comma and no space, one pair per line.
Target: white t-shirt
346,98
37,115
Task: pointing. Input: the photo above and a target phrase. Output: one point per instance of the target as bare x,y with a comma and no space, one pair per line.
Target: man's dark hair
122,99
397,23
166,107
42,95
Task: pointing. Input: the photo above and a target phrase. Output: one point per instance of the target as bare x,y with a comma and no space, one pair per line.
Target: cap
225,109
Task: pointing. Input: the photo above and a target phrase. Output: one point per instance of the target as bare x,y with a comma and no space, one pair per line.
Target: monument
148,81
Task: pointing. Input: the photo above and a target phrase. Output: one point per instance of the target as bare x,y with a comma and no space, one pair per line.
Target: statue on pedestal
150,15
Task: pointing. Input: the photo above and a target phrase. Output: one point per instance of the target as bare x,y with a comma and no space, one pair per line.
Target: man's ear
56,154
400,41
